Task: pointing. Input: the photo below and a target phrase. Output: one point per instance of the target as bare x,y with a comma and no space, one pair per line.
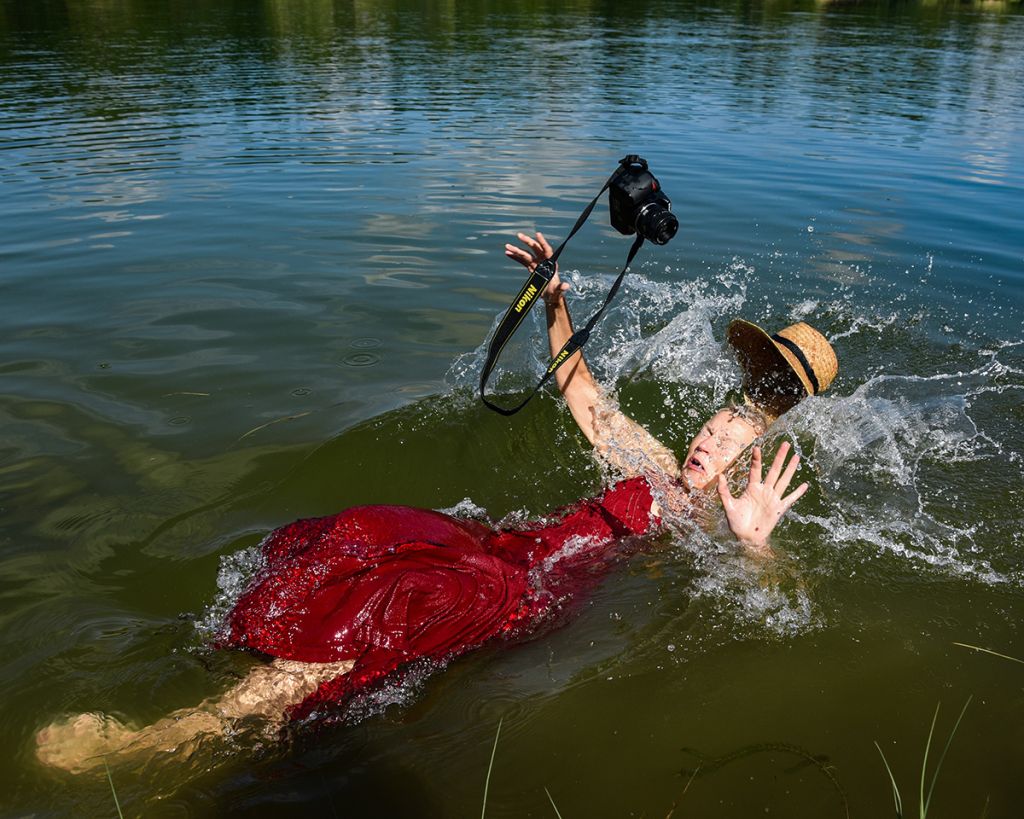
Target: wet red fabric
388,585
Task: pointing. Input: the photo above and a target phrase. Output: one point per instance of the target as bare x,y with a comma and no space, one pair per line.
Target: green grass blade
553,803
896,798
989,651
689,782
938,766
922,811
110,779
487,781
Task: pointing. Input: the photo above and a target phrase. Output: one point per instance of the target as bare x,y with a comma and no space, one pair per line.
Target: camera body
637,204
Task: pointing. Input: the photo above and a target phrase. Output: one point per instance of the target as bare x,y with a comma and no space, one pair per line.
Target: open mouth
696,466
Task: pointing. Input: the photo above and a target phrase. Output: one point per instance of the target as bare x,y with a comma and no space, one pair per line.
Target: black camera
637,203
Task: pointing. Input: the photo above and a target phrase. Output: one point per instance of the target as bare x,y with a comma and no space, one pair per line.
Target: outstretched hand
753,515
537,250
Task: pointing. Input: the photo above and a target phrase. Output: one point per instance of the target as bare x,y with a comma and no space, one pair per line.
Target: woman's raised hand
753,515
536,251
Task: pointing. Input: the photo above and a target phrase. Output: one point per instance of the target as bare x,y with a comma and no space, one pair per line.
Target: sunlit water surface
249,255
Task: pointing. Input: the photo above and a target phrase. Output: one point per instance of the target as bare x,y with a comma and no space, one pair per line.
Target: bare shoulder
626,447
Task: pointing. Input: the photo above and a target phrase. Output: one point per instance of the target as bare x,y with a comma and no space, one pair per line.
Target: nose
718,442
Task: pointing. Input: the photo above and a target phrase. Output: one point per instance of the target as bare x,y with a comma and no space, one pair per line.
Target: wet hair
759,420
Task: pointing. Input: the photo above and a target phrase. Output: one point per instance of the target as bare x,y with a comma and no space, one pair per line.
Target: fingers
793,496
755,467
776,468
538,249
787,475
534,245
724,493
519,255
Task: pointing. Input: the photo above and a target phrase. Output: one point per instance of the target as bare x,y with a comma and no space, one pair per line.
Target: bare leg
83,742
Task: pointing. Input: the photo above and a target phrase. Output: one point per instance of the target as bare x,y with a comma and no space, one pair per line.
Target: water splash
899,461
656,326
885,457
235,572
753,597
878,457
397,690
467,510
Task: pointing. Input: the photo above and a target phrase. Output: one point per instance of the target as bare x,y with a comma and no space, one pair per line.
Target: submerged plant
110,779
989,651
821,763
490,767
553,805
924,802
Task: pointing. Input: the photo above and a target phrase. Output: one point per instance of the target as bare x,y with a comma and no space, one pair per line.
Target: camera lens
656,223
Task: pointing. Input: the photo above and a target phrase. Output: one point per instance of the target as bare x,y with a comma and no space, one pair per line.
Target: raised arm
574,380
616,437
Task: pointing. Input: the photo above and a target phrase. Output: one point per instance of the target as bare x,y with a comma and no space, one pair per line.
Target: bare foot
79,743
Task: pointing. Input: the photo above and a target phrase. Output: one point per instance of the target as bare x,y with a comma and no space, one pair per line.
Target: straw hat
781,370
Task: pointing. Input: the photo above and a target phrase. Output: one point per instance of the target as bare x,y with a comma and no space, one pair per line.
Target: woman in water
346,602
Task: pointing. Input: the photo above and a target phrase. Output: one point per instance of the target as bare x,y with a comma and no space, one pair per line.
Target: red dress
388,585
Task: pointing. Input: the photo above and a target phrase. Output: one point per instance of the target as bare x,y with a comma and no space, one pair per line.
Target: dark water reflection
236,233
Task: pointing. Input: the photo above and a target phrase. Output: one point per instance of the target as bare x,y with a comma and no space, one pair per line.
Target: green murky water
250,252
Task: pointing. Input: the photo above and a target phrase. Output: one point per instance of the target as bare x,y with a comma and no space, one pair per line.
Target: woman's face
718,443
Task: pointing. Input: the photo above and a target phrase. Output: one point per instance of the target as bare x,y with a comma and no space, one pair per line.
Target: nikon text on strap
531,292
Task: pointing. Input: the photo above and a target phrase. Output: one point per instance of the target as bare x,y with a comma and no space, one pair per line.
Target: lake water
250,253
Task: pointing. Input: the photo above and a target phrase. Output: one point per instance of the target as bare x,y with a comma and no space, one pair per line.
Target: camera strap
530,293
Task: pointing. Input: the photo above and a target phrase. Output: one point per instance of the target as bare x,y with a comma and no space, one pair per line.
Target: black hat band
796,351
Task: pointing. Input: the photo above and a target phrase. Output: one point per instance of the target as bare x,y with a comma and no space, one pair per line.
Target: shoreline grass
924,803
